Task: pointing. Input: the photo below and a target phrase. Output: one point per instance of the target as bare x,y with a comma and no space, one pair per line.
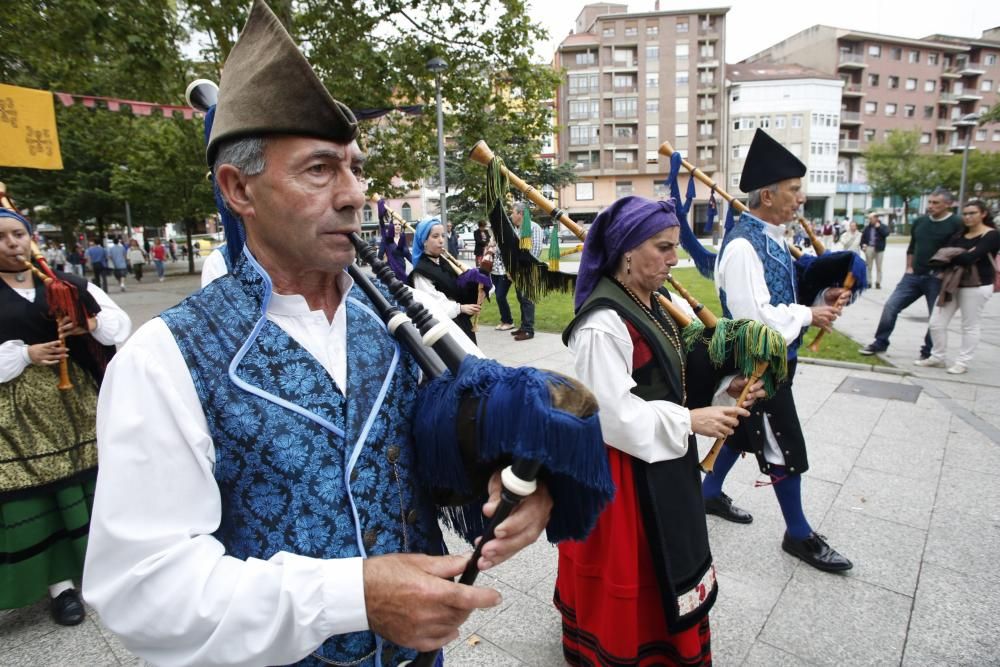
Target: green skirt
43,540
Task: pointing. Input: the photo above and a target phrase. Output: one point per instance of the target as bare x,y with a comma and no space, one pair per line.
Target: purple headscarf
624,225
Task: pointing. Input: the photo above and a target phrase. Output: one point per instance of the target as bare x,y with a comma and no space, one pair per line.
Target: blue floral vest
299,467
779,268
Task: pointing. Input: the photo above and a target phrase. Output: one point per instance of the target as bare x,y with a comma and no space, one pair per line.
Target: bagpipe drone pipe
814,273
475,416
712,345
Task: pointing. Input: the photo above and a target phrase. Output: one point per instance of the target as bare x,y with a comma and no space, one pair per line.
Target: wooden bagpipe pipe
475,416
63,297
815,273
759,352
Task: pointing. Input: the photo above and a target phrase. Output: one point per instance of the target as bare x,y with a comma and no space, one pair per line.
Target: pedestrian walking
159,255
136,259
118,259
873,238
97,258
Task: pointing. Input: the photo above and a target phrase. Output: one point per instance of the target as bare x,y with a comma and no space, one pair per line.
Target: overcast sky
753,25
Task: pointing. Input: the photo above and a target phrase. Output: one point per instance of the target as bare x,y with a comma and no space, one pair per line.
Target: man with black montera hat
756,279
257,502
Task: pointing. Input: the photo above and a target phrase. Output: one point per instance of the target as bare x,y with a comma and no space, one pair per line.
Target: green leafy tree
896,167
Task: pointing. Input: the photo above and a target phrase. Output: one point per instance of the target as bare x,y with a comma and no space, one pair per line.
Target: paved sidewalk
908,490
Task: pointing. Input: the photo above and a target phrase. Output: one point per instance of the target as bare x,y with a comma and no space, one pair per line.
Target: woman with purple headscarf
639,589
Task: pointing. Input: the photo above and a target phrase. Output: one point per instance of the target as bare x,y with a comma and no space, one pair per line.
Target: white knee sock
55,590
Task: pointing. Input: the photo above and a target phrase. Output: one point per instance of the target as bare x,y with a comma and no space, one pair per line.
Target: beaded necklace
658,318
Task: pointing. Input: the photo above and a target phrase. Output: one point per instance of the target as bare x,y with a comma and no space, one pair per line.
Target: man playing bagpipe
757,279
261,500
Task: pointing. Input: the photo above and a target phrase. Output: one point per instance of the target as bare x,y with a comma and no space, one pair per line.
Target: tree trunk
188,226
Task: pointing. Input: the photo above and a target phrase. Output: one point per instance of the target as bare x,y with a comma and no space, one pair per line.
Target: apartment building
633,81
931,85
799,107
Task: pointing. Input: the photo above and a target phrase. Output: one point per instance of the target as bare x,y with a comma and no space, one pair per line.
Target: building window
652,131
681,51
584,191
582,135
706,77
874,50
910,110
913,57
651,157
407,212
652,80
680,105
893,81
625,132
706,128
981,134
626,107
583,83
652,106
631,31
873,80
796,120
705,153
932,59
367,217
869,135
706,102
623,189
706,50
624,57
585,58
652,30
911,84
739,152
682,25
660,190
996,135
608,32
653,52
895,53
681,130
928,112
871,108
681,78
815,119
925,138
624,82
624,157
986,85
930,85
734,181
890,109
779,122
582,109
765,122
990,59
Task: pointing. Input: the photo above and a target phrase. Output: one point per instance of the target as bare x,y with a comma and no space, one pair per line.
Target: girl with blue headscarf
638,590
431,274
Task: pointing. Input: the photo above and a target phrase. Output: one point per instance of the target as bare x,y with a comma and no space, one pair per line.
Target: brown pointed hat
268,87
767,163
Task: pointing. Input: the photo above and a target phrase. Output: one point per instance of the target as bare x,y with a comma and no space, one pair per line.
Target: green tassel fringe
526,228
497,183
691,334
750,341
554,252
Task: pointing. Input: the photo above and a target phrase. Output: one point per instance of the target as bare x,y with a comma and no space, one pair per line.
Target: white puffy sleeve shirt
154,571
648,430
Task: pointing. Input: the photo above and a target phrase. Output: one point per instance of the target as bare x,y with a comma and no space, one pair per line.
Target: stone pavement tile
887,496
818,496
739,613
828,619
528,567
964,543
831,462
971,450
969,492
988,400
839,428
25,625
481,617
883,552
902,419
117,648
855,406
79,645
954,620
822,373
763,654
957,389
529,630
751,552
475,652
542,591
909,458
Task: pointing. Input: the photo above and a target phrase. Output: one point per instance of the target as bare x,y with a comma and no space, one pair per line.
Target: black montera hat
768,162
268,87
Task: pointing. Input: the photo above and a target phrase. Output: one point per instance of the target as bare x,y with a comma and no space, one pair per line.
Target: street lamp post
968,121
438,65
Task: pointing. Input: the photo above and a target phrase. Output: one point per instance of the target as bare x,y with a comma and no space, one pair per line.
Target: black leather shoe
516,331
816,552
722,506
67,608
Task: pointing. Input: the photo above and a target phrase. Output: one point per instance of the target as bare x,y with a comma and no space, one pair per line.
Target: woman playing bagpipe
56,337
638,590
458,294
393,247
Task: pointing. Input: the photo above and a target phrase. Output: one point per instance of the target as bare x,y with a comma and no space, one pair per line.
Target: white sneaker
958,369
929,362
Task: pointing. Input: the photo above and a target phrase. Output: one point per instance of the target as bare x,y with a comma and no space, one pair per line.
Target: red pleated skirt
608,593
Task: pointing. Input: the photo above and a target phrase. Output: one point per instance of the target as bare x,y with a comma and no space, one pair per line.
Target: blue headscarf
10,213
624,225
420,235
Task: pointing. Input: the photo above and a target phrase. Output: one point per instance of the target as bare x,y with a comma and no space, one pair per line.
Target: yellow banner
28,135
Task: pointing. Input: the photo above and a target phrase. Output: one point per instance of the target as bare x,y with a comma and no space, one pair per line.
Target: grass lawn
554,312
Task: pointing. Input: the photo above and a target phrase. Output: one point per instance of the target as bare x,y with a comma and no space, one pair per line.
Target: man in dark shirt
929,233
452,241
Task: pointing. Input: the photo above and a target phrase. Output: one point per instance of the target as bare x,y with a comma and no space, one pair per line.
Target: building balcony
970,68
950,73
707,115
948,98
852,90
623,90
708,62
850,118
707,88
707,140
615,165
969,96
851,61
709,33
850,146
632,141
945,125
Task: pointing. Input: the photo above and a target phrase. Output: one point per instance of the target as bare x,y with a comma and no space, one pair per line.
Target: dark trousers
501,284
909,289
100,275
527,313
